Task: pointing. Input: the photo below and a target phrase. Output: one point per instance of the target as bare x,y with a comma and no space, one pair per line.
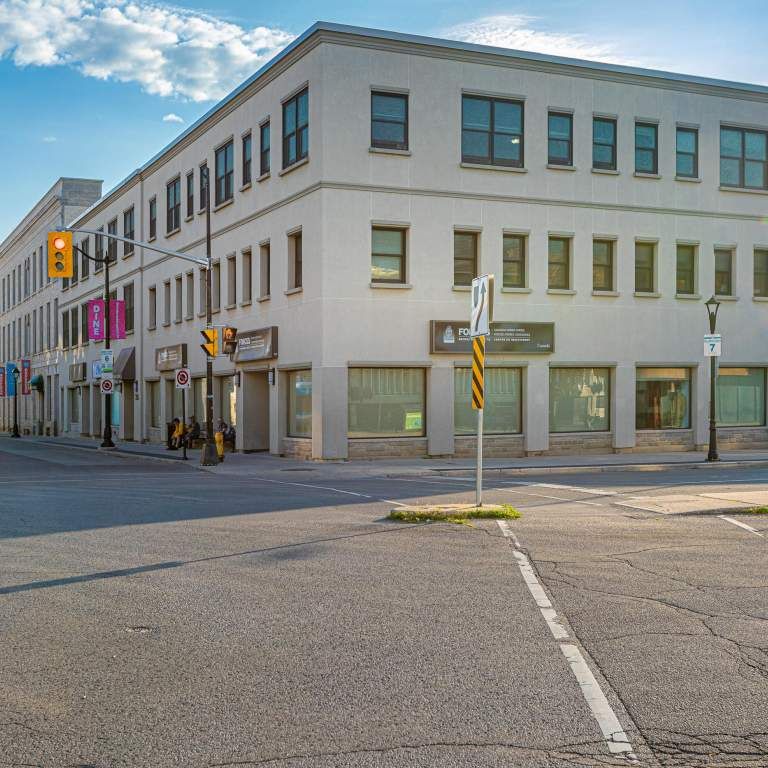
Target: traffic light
228,340
211,346
60,261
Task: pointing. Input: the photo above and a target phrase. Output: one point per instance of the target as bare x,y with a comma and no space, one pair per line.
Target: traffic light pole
208,455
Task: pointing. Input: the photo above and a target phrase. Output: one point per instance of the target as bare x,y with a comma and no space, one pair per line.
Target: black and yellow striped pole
478,403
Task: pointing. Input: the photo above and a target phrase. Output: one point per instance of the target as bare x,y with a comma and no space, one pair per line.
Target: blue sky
93,88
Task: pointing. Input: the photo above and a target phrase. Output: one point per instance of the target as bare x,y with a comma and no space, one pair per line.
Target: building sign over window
453,338
260,344
77,372
171,358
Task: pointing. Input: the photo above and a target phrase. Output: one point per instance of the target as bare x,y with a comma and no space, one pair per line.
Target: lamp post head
712,306
16,373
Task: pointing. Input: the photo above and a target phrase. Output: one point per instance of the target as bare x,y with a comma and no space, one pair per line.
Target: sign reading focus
183,378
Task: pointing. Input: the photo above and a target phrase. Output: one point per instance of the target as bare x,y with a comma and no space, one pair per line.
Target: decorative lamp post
16,374
712,307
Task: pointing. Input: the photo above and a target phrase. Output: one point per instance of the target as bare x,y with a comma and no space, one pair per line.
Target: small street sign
713,345
107,358
183,378
482,306
107,385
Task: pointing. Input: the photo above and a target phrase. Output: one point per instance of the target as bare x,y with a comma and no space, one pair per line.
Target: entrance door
128,401
255,427
85,410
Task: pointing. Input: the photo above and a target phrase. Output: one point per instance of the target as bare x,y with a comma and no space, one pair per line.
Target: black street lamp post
15,374
712,307
208,456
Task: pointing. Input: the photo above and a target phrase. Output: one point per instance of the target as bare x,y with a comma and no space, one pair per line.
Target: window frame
763,273
264,151
111,242
551,160
609,386
224,184
152,217
612,165
296,260
382,143
654,246
568,259
693,269
296,130
523,260
475,236
655,150
688,379
695,154
129,214
190,193
610,266
403,232
490,159
246,141
730,252
742,158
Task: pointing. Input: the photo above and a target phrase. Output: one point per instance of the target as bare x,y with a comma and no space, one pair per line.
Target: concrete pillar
536,407
440,411
278,413
329,412
700,405
623,407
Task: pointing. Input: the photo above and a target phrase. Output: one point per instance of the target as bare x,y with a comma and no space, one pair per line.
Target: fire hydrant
219,438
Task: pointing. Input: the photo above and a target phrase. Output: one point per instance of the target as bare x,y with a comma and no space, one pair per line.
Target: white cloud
49,139
519,32
168,51
172,118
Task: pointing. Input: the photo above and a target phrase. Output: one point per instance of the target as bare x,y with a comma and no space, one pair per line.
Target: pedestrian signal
228,340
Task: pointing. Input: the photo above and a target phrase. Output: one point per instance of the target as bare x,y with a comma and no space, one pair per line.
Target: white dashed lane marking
741,525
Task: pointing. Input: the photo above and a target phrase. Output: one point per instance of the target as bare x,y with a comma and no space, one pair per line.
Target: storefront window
502,402
173,400
74,406
663,398
579,399
741,397
153,397
300,404
197,406
228,400
116,398
386,402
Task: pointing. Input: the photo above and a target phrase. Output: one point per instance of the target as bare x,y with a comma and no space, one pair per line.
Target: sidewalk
264,463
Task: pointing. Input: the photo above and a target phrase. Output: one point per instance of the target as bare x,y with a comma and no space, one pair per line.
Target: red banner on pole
96,320
117,319
2,382
26,377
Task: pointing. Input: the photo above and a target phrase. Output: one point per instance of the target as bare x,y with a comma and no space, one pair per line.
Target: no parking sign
183,378
107,385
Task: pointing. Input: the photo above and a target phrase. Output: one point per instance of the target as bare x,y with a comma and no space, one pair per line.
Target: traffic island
460,514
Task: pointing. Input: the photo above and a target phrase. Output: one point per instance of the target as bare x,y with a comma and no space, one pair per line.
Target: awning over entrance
37,382
125,365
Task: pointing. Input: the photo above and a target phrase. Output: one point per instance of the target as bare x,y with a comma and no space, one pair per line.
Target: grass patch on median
755,511
459,515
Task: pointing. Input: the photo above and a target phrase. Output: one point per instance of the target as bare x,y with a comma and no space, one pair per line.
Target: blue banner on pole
10,379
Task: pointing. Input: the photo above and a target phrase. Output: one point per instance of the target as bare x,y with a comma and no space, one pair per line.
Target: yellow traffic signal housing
228,340
211,346
60,261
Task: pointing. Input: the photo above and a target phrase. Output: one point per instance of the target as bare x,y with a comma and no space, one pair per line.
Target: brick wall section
664,440
494,446
580,442
733,438
388,448
297,448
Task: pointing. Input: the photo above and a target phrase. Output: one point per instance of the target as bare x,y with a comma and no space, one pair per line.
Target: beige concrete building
362,178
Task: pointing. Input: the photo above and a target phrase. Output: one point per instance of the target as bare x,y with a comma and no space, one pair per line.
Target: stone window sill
263,177
231,306
641,175
516,290
400,286
262,299
606,293
245,187
223,204
561,291
176,320
690,296
152,239
463,288
189,218
216,310
647,295
389,151
166,323
760,298
294,166
723,188
292,291
503,168
189,317
693,179
606,171
151,327
558,167
726,298
246,303
129,332
173,232
201,314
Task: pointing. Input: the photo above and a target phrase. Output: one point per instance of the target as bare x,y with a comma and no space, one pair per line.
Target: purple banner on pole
117,319
96,320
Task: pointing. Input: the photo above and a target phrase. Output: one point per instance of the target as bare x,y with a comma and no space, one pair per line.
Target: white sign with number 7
713,345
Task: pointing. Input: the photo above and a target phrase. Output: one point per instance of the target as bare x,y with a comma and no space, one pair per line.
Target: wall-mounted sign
506,338
260,344
95,369
171,358
77,372
107,357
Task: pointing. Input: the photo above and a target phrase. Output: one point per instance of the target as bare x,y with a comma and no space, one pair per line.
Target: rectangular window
167,302
99,251
646,148
190,194
559,262
388,255
723,272
513,247
73,327
75,271
687,148
645,254
686,269
129,307
111,242
560,138
300,404
190,295
84,323
231,281
743,158
173,205
153,397
604,143
178,299
153,218
152,307
579,399
602,265
296,128
663,398
247,277
761,272
264,149
225,173
502,413
202,293
386,402
85,263
128,231
491,131
264,270
246,149
203,185
216,287
296,261
464,257
741,397
389,120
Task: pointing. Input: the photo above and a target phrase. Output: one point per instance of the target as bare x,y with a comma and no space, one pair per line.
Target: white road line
615,737
591,491
741,525
545,496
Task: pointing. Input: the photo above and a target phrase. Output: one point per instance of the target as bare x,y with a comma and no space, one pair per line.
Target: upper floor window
204,181
761,273
389,120
491,131
264,149
190,194
686,269
111,242
153,218
602,265
464,257
85,265
559,267
604,143
560,138
246,159
296,261
687,153
645,267
743,158
128,231
173,205
387,255
296,128
225,173
646,148
723,272
99,248
513,261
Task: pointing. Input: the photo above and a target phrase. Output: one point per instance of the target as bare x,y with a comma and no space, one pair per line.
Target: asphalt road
155,615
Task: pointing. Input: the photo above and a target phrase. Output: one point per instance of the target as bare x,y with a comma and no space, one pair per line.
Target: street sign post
183,381
183,378
481,316
713,345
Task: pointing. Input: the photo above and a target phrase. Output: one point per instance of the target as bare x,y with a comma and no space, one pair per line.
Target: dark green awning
37,382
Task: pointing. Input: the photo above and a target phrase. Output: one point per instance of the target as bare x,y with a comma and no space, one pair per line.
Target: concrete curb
117,452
